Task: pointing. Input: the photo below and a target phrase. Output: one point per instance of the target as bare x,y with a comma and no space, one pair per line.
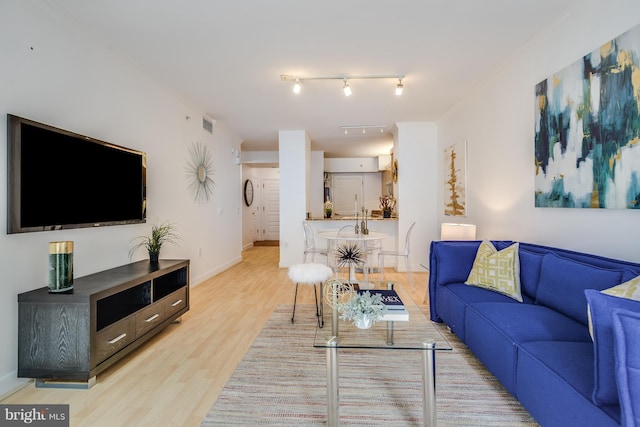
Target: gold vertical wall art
455,181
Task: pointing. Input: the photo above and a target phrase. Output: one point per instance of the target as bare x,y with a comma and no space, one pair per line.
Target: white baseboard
195,281
10,384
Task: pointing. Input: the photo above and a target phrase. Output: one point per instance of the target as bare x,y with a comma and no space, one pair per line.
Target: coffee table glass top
406,335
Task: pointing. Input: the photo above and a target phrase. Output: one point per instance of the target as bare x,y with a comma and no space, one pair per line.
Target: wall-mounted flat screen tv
59,180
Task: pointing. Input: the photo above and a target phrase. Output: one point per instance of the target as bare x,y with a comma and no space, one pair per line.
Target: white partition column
416,150
295,157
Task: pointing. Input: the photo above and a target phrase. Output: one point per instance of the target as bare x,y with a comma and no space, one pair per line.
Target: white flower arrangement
363,305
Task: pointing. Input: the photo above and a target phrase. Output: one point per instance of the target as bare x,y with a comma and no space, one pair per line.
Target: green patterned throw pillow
629,289
497,271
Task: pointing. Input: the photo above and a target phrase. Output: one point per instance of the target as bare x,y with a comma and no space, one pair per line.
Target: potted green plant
364,309
387,203
160,234
328,208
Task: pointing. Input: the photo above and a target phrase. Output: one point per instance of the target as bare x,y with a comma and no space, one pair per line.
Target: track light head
346,89
296,86
399,87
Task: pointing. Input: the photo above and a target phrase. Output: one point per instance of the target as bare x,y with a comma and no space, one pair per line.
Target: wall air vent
207,124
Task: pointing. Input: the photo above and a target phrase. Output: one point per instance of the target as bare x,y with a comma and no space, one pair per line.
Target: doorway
266,217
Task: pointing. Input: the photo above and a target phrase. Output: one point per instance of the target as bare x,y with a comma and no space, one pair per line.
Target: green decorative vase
61,267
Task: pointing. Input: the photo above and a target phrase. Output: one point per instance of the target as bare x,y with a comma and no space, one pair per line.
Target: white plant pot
363,323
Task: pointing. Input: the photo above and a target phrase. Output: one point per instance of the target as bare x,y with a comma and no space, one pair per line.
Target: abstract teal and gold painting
587,130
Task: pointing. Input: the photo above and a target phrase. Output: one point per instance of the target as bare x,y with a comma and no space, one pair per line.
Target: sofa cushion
493,330
601,306
530,263
454,261
498,271
554,384
626,327
453,299
563,282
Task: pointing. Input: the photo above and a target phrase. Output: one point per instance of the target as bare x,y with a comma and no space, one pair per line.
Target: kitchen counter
388,226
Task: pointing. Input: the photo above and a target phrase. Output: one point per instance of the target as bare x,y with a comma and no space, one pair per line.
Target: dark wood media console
73,337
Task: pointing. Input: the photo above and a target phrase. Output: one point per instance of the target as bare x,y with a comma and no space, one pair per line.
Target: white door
271,209
254,221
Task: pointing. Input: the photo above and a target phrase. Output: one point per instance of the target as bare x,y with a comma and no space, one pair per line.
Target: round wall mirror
248,192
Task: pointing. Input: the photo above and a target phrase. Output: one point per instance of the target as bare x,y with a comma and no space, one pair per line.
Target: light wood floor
174,378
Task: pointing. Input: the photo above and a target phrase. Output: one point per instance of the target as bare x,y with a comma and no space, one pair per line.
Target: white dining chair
404,254
310,245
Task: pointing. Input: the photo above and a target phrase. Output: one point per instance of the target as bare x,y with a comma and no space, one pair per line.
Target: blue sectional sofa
540,349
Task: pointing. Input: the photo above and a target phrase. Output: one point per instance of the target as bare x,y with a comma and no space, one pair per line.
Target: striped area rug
282,382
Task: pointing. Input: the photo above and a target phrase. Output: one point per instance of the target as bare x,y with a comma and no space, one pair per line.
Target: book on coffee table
396,311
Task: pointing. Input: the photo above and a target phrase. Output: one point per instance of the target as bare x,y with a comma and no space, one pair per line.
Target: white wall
497,122
53,73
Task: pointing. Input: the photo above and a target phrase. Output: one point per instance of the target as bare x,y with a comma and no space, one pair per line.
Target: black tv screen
59,180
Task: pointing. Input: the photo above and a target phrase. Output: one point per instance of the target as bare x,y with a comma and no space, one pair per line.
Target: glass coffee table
417,334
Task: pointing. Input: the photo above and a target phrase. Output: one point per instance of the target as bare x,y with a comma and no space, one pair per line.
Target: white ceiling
228,57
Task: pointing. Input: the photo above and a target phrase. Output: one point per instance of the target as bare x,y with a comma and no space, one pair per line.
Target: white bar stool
310,274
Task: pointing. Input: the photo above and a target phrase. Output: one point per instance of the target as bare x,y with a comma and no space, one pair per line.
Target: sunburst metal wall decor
200,173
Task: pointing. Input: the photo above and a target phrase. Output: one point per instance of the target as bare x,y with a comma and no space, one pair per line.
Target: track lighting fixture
345,87
399,87
363,128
